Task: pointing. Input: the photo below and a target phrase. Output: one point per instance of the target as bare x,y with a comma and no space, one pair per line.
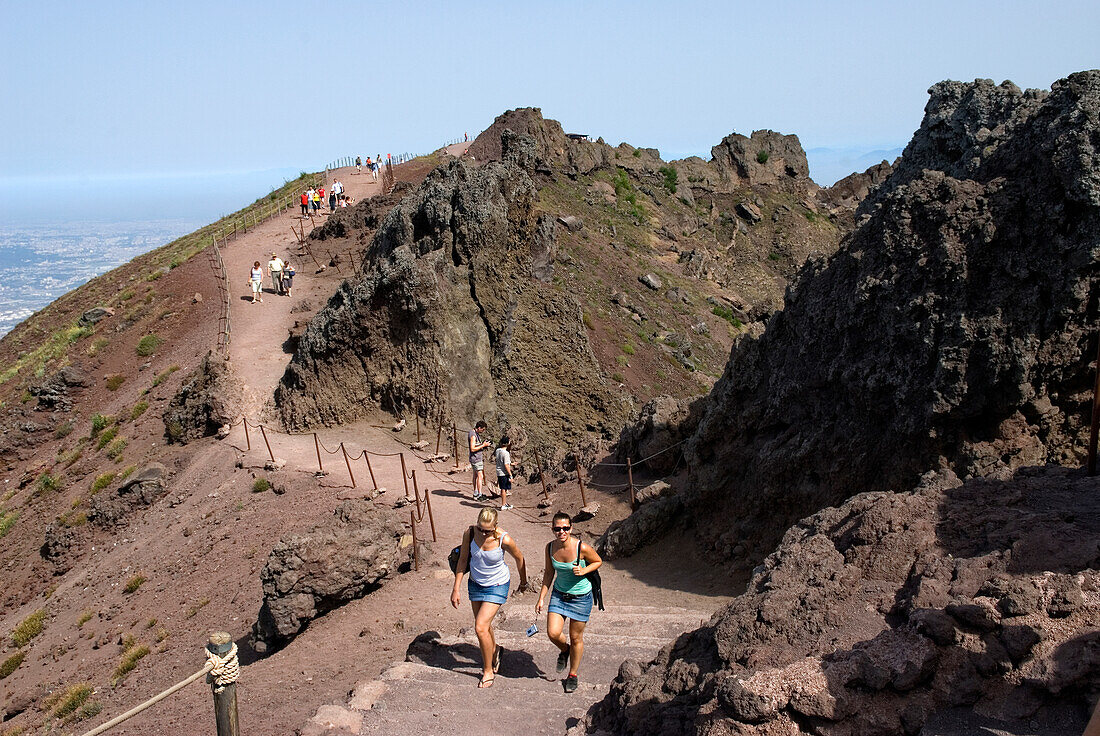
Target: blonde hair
489,516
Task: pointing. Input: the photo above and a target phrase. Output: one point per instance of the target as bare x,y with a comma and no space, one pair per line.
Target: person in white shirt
275,269
503,459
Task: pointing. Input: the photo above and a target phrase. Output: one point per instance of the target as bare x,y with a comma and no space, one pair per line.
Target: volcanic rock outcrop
448,315
955,327
208,399
963,605
341,559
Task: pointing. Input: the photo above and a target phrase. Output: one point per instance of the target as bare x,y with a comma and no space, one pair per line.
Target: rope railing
222,669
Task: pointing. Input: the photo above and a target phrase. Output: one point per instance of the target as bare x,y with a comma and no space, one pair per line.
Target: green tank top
565,581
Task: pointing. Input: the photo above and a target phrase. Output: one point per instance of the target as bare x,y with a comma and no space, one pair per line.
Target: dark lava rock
649,522
444,315
208,399
140,490
961,322
53,393
95,314
766,157
341,559
845,628
655,436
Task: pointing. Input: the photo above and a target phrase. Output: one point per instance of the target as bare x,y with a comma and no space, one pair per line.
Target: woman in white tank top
483,547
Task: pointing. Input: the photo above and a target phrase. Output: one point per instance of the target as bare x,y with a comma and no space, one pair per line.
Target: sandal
484,684
496,659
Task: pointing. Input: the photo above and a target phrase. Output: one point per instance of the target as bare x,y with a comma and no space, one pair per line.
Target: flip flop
496,659
485,684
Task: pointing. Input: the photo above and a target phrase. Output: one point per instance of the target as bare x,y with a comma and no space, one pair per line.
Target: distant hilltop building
578,137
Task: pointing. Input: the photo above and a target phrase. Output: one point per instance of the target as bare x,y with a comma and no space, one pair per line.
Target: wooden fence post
225,700
370,470
428,503
1095,427
317,446
542,478
404,475
416,553
630,483
269,452
348,463
580,479
247,441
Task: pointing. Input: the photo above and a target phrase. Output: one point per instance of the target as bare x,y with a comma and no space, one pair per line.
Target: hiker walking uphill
477,445
482,552
275,269
568,562
503,460
256,282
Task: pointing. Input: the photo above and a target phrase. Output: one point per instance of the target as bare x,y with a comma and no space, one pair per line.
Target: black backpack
592,577
456,554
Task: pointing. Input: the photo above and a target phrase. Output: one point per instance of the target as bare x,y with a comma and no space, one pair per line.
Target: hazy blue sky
104,94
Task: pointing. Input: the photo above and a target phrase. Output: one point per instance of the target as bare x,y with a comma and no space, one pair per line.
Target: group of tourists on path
279,271
313,200
372,165
566,587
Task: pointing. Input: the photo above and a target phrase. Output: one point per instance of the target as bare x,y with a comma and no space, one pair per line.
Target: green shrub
115,381
102,481
261,485
106,436
138,410
47,484
637,153
127,472
628,348
586,318
11,664
148,345
99,423
72,519
617,377
133,584
671,178
7,521
126,295
67,702
773,256
761,157
29,628
63,430
622,360
727,314
84,618
115,450
98,344
163,376
129,661
73,456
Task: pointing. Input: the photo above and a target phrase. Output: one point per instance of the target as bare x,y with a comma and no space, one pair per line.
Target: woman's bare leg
483,627
576,645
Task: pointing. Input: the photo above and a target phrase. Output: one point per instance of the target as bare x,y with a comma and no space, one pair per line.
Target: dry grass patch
29,628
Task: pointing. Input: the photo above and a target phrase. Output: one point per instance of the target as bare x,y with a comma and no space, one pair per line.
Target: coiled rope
224,669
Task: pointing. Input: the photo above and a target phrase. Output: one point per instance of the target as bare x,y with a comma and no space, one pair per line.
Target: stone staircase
435,690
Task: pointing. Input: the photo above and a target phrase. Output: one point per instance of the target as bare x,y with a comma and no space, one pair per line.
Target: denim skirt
577,609
489,593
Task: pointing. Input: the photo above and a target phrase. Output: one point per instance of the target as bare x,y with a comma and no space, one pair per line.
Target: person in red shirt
305,204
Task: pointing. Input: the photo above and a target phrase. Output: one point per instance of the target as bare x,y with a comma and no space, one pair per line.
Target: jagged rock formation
341,559
54,392
208,399
958,604
954,327
141,490
447,315
662,425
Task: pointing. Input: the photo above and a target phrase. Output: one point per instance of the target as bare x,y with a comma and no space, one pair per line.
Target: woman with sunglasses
483,547
568,560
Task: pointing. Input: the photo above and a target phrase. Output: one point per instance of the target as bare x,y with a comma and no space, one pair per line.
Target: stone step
452,704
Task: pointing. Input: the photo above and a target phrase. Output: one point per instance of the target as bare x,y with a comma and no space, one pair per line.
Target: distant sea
88,225
41,262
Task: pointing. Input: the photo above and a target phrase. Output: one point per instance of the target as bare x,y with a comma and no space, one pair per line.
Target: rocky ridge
953,327
955,605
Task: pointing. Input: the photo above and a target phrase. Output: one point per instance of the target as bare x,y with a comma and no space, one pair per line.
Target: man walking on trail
358,165
478,444
275,268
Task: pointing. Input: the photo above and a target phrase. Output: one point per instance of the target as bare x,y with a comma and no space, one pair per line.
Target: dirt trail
362,644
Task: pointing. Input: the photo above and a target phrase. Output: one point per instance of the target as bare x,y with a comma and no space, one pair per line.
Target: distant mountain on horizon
830,165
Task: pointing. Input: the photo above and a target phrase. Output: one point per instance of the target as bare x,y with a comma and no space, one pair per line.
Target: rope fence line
223,670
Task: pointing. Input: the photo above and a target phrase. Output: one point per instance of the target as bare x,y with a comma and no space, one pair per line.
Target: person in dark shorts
568,559
503,460
483,547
